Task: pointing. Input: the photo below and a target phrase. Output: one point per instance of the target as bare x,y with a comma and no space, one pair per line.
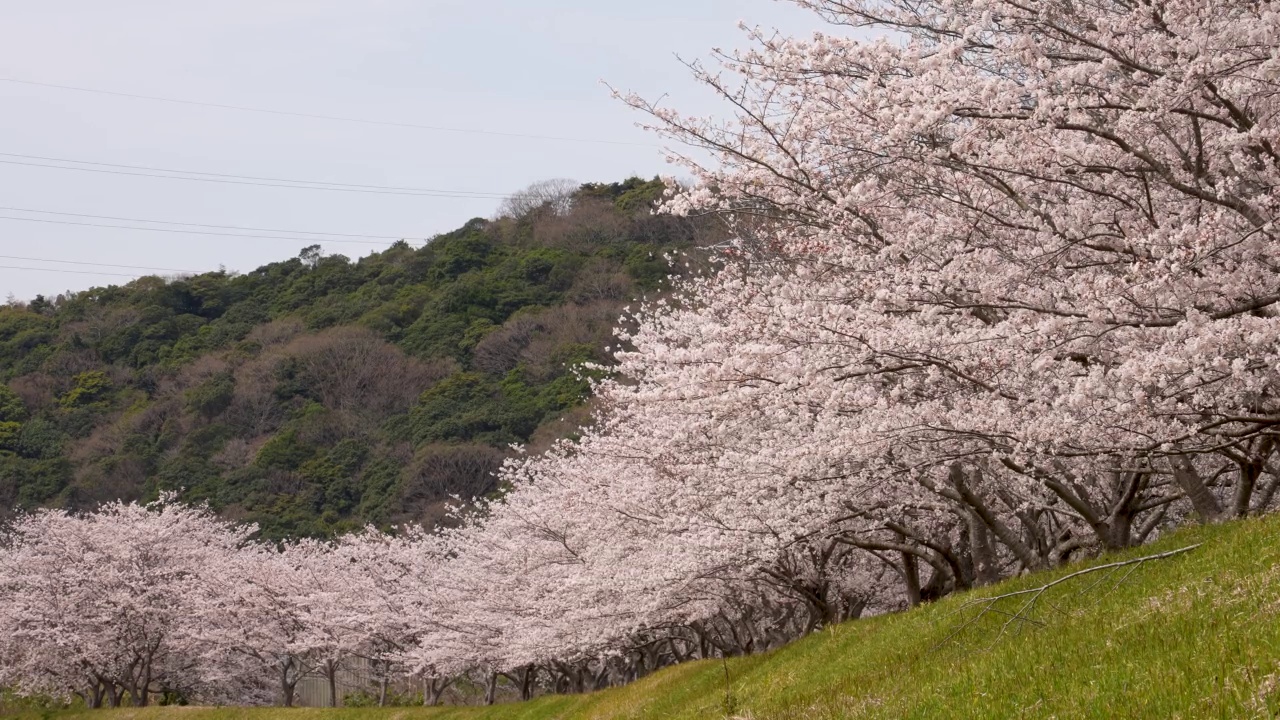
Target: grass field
1195,635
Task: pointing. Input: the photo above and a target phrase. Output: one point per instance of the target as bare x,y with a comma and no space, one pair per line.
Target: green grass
1192,636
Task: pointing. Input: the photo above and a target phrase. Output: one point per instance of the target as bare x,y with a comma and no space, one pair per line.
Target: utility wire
187,232
61,270
476,193
257,184
95,264
322,236
317,116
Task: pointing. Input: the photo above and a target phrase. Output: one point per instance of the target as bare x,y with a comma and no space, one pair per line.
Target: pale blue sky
503,65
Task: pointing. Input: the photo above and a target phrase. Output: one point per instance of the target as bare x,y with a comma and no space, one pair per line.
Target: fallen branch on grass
1033,595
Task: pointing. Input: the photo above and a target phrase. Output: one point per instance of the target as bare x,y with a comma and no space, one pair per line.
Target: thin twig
1086,571
1034,594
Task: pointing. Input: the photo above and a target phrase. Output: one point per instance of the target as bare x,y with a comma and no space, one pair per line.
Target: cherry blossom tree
1045,235
98,605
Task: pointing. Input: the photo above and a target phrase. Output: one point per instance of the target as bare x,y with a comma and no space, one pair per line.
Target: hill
1193,635
318,394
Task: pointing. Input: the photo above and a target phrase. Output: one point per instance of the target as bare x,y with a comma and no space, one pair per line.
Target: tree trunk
115,695
138,697
1188,478
1120,530
527,675
599,680
984,569
854,609
94,696
331,674
703,646
491,689
1251,466
142,695
910,573
1244,489
936,587
964,494
954,570
1268,491
286,684
433,688
679,649
1125,509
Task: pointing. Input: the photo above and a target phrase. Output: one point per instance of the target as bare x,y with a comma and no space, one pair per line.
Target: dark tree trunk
1264,496
434,688
141,695
961,492
744,635
949,571
703,646
1249,473
138,697
115,695
910,575
1188,479
526,677
1128,496
984,566
853,610
331,675
600,679
936,587
1251,465
94,697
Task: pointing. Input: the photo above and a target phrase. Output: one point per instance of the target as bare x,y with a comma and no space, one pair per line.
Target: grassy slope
1192,636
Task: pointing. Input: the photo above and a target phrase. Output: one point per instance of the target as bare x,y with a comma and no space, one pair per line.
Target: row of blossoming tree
1005,294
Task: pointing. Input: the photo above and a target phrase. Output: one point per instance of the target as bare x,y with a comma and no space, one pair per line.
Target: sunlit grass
1192,636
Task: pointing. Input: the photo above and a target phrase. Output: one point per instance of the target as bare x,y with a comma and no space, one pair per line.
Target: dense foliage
320,393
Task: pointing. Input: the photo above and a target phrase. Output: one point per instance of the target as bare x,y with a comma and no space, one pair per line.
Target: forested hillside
318,394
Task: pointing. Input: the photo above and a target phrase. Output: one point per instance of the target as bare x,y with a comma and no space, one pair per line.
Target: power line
95,264
61,270
476,193
257,184
322,236
187,232
317,116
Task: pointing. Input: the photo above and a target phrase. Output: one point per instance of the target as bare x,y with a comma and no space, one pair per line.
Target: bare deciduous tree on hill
556,196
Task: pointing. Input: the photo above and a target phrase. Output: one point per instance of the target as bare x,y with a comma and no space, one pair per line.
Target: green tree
87,388
11,406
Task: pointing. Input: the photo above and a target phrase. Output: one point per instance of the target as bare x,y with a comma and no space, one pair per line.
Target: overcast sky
508,66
